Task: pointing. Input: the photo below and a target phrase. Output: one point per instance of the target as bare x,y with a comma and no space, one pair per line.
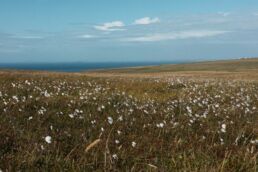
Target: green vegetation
77,122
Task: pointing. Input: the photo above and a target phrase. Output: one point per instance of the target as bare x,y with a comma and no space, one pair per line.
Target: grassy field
223,65
192,117
243,69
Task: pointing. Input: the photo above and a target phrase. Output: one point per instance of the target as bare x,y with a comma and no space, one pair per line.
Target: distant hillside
222,66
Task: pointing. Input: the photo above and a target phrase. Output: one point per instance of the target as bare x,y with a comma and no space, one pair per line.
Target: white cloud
87,36
111,26
174,36
28,37
224,14
146,21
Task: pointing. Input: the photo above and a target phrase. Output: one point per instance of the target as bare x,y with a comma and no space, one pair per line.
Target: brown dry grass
175,119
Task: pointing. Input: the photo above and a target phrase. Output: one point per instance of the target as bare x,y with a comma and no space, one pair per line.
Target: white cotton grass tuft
160,125
133,144
71,115
48,139
223,128
120,118
110,120
117,141
114,156
46,94
254,141
42,147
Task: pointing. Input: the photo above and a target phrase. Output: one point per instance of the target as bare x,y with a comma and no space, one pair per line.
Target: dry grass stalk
93,144
152,166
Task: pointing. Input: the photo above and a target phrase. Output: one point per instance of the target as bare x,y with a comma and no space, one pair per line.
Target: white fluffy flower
114,156
42,147
254,141
223,128
48,139
46,94
110,120
120,118
133,144
71,115
160,125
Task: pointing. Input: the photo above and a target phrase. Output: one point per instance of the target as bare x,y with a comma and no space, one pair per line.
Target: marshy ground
144,119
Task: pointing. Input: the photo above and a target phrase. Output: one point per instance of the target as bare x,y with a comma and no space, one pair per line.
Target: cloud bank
28,37
87,36
111,26
174,36
146,21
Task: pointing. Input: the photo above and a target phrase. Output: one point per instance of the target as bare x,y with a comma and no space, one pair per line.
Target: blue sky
127,30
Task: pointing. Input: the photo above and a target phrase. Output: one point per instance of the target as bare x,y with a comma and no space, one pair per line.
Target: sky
127,30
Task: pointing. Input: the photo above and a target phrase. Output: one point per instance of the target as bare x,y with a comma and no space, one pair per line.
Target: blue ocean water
77,66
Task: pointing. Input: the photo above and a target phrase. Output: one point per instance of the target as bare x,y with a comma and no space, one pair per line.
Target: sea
78,66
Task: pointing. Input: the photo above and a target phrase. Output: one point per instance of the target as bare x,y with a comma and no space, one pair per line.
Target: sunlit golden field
88,122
